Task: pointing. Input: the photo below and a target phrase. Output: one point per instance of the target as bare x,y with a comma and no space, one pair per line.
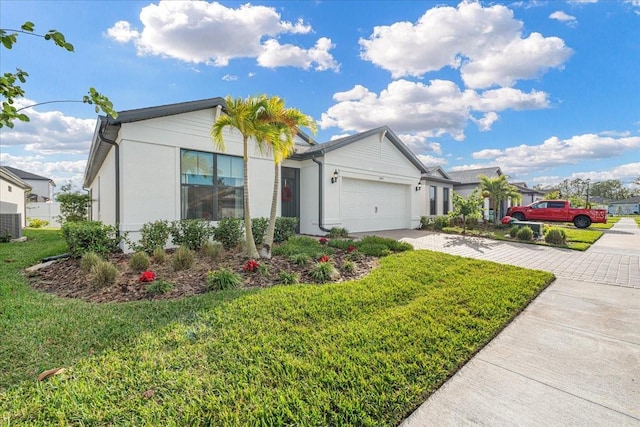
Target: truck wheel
582,221
519,216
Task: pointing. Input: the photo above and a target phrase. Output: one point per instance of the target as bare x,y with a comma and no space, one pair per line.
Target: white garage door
373,205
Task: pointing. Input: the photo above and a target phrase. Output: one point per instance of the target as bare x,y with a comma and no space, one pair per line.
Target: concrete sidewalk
571,358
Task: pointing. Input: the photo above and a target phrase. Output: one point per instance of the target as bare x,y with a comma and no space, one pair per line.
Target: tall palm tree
285,123
497,189
243,115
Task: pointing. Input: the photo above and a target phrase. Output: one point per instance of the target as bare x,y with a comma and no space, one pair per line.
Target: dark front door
290,194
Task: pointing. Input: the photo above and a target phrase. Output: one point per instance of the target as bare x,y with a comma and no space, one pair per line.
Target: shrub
104,274
251,266
348,266
159,287
147,276
338,232
302,245
139,262
259,229
342,244
323,240
426,222
229,232
513,231
182,259
263,270
285,229
222,279
374,249
90,236
391,244
211,249
440,222
159,255
154,235
323,272
88,261
37,223
288,278
525,233
556,236
74,207
300,259
191,233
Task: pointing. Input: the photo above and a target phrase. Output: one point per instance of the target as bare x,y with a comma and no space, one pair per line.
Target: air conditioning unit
11,223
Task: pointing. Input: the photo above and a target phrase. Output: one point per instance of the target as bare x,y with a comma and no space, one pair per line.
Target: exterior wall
309,200
425,204
44,211
623,208
466,189
103,192
12,201
40,187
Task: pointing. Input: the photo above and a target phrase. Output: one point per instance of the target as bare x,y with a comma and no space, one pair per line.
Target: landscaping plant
103,274
182,258
139,261
159,287
229,232
223,279
525,234
90,236
556,236
191,233
88,261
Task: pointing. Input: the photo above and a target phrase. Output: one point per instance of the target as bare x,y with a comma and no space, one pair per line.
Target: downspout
320,188
117,147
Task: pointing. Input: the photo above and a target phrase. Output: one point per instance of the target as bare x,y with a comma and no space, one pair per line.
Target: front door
290,194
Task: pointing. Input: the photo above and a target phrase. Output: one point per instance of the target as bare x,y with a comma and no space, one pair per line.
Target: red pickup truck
558,211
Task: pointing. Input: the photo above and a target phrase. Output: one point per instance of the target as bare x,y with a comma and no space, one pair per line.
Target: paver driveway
571,358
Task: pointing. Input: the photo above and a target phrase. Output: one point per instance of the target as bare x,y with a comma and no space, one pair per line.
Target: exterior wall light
419,186
334,177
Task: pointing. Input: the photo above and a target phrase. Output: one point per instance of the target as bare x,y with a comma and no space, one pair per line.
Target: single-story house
13,202
160,163
529,195
438,187
41,187
625,207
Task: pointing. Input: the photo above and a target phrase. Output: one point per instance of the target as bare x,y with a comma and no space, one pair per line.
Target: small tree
74,207
497,189
471,207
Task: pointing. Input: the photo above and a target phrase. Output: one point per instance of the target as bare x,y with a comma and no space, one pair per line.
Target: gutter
320,188
117,183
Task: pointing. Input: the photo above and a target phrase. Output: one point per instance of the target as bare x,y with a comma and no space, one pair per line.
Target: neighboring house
469,179
160,163
438,187
625,207
529,195
13,202
41,187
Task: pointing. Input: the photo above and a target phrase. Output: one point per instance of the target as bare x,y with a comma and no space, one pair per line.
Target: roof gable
26,175
9,176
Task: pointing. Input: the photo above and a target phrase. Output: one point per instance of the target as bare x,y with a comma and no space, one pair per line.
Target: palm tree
243,115
497,189
286,123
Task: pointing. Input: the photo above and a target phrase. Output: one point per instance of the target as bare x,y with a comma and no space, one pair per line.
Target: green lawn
364,352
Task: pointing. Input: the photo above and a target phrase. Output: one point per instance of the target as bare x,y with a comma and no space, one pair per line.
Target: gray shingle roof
25,175
470,176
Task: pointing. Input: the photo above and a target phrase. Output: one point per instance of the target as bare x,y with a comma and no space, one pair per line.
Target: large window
445,201
432,200
211,185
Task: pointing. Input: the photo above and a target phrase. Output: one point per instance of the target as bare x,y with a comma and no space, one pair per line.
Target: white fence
44,211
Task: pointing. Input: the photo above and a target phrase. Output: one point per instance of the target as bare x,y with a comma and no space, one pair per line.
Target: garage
374,205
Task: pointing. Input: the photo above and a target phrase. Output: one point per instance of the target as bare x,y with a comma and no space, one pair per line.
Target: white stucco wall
12,199
40,187
48,211
425,198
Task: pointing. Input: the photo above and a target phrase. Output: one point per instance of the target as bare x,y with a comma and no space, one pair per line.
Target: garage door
373,205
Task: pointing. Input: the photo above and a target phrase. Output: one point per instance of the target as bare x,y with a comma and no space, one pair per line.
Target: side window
556,205
541,205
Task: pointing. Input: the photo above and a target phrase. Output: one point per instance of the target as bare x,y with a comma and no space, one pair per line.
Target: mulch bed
65,278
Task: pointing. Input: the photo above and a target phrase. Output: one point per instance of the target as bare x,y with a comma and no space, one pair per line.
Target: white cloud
485,43
60,172
211,33
229,78
563,17
556,152
430,161
428,110
49,132
625,173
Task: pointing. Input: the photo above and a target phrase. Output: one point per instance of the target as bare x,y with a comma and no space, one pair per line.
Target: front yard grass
364,352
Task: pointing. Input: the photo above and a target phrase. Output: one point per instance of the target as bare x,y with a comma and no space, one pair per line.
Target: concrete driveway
572,357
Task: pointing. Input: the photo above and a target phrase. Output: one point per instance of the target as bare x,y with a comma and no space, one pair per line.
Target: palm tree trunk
268,241
252,252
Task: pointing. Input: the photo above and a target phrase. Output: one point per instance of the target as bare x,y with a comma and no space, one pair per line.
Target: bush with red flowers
251,266
323,240
147,276
324,258
351,248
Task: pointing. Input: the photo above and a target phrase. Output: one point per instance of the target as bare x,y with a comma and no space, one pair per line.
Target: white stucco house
437,186
41,187
13,202
160,163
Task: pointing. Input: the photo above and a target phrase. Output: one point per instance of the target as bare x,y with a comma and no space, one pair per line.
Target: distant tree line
578,189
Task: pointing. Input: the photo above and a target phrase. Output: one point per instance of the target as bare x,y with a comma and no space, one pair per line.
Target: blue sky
547,90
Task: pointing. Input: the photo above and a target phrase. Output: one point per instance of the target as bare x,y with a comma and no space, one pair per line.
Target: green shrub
191,233
88,261
74,207
374,249
440,222
513,231
103,274
323,272
223,279
287,278
211,249
285,228
302,245
182,259
90,236
229,232
159,287
556,236
159,255
525,233
338,232
37,223
391,244
259,229
300,259
139,262
263,270
342,244
154,235
426,222
348,266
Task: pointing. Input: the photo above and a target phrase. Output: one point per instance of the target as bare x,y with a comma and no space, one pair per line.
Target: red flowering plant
351,248
323,240
251,266
324,258
147,276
